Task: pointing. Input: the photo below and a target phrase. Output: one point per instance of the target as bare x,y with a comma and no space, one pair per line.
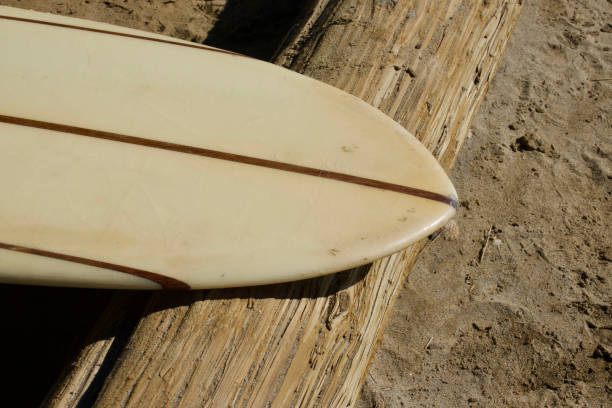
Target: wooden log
426,64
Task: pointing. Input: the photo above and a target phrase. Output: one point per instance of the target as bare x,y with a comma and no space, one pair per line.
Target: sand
511,304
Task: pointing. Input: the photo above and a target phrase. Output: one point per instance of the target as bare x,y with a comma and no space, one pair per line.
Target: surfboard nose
448,189
252,174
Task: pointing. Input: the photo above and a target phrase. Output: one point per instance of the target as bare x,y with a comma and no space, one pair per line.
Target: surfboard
135,160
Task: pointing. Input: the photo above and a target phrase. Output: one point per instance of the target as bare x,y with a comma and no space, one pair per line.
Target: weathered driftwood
427,64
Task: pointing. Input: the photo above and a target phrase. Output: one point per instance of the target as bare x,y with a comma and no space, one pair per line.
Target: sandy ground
511,304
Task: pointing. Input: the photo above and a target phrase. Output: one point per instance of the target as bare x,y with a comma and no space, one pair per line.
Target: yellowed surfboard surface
133,160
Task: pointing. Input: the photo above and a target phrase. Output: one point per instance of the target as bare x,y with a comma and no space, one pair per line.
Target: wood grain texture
426,64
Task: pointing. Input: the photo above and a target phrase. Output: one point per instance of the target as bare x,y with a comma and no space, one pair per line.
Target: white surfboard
133,160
